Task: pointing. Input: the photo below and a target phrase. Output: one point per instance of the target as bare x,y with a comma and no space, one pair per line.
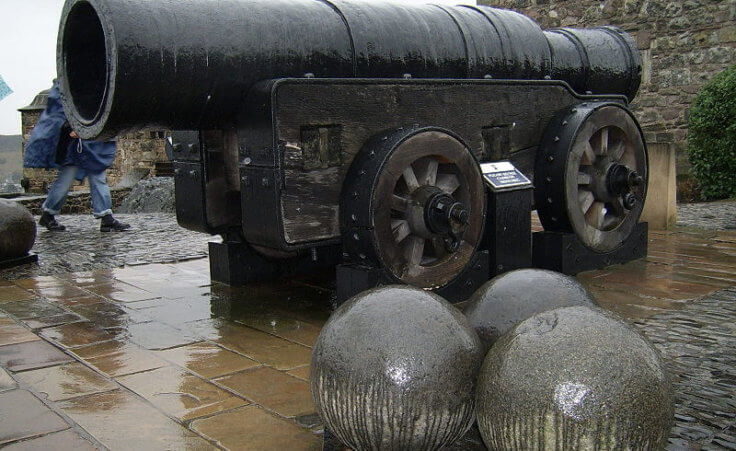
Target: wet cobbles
708,215
698,343
153,238
156,356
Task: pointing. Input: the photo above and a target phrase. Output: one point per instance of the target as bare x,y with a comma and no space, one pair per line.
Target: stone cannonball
395,368
17,230
510,298
574,378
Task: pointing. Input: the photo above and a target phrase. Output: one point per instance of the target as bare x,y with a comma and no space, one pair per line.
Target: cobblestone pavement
157,356
153,238
717,215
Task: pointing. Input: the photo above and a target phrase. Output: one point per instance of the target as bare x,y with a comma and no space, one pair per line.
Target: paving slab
154,335
61,382
30,355
22,415
13,293
207,359
259,346
252,428
64,440
51,321
180,394
272,389
118,358
119,420
76,334
12,332
6,381
31,308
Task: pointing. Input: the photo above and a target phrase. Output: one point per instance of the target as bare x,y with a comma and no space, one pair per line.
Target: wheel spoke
617,150
429,176
399,203
439,247
586,199
588,156
448,183
400,228
596,214
584,179
414,250
603,146
410,178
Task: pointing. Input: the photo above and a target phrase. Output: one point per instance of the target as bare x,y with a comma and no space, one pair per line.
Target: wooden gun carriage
313,131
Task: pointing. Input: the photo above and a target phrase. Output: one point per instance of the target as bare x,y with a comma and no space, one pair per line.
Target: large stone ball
574,378
395,368
17,230
510,298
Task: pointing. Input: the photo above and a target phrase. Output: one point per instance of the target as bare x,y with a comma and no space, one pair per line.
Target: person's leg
59,190
56,197
102,203
100,194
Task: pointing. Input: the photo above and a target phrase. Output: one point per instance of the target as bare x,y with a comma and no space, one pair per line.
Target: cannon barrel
189,64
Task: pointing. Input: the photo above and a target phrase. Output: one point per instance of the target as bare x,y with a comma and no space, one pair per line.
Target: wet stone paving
99,354
153,238
708,215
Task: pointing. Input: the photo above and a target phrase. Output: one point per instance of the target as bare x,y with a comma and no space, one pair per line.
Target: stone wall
684,43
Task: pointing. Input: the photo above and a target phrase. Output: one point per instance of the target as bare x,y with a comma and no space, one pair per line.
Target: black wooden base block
17,261
353,279
565,253
508,230
236,263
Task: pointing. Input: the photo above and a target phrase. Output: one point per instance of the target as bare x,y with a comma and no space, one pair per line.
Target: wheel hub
621,180
434,213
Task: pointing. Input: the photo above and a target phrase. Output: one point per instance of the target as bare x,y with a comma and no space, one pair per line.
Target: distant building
140,154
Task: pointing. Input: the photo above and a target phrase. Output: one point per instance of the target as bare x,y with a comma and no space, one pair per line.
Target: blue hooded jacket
41,150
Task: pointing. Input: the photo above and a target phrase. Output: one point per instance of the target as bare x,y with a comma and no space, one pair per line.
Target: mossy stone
574,378
17,230
510,298
395,368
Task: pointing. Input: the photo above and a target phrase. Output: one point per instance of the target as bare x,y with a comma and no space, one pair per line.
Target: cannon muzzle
189,64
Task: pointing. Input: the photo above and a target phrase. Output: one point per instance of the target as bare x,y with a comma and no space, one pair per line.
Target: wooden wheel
414,201
591,175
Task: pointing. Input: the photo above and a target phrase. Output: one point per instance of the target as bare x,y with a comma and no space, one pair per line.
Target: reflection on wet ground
156,356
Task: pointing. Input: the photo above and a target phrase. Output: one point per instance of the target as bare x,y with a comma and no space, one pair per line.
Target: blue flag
4,89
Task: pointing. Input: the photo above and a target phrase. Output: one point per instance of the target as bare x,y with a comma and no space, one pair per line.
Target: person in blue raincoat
53,145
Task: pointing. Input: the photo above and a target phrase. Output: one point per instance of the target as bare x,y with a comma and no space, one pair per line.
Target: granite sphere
574,378
510,298
17,230
395,368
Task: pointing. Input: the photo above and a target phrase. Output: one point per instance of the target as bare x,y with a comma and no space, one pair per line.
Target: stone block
660,207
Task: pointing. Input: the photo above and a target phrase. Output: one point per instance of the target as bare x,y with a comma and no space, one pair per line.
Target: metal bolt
557,138
550,158
309,75
265,182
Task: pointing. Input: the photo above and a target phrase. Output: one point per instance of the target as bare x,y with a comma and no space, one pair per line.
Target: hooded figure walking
54,145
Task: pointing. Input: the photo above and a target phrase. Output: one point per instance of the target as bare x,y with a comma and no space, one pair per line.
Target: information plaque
502,175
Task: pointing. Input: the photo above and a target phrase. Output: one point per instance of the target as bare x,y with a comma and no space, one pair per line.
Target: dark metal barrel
188,64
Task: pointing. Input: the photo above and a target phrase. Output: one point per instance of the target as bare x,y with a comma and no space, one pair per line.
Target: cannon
310,132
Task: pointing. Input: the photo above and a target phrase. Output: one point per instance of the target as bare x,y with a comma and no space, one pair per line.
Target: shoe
47,220
110,224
